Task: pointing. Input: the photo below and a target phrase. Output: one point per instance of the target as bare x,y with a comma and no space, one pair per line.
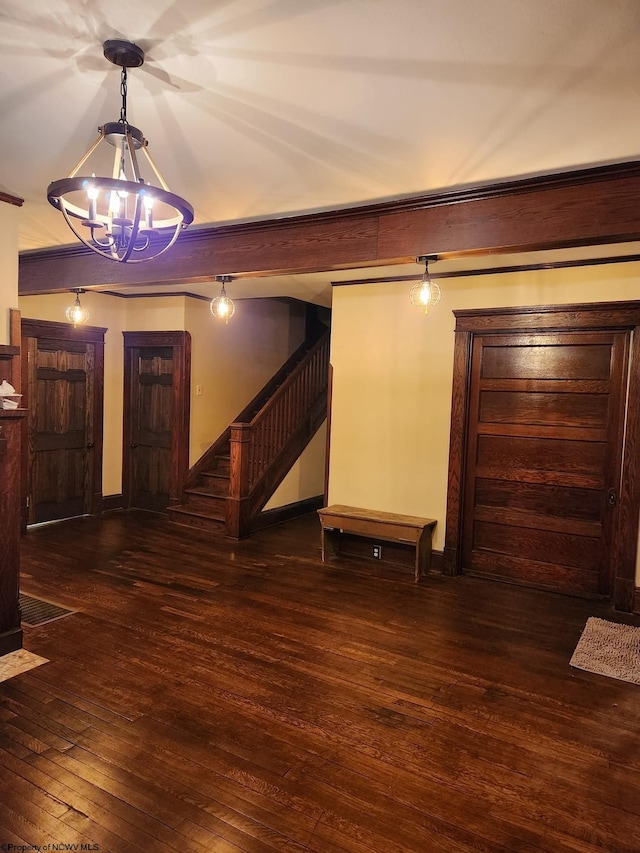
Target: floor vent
36,612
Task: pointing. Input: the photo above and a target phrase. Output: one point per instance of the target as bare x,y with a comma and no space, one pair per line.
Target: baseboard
636,600
437,562
10,641
111,502
280,514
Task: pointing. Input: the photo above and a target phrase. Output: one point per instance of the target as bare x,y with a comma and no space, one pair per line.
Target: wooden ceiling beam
586,207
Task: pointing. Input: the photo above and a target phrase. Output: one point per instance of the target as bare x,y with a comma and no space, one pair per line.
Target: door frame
52,330
600,316
180,342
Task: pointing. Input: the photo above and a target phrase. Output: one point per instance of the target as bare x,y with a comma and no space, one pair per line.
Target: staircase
231,483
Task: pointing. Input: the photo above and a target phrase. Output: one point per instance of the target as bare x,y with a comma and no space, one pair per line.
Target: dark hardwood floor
220,696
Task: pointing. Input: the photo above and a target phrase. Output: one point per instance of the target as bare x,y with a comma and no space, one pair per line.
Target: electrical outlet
377,552
199,390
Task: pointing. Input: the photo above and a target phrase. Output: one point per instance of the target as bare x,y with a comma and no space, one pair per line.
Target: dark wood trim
156,294
15,339
328,441
10,641
597,316
511,268
112,502
65,331
457,444
437,562
11,199
10,456
180,341
636,600
590,315
626,534
578,208
280,514
155,339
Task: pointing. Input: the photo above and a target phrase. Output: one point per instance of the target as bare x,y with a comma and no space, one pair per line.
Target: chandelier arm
145,260
86,156
80,236
156,171
132,156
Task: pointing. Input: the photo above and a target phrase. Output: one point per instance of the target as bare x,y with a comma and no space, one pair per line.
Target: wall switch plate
377,552
198,390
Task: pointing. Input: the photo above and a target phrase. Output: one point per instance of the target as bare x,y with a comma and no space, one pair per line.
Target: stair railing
256,446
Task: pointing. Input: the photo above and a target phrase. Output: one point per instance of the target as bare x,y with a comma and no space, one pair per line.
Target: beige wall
393,374
9,214
231,362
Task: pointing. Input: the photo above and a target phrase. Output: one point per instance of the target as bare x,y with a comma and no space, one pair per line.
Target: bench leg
329,540
423,554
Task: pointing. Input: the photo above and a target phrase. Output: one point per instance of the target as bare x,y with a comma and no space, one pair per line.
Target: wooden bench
387,526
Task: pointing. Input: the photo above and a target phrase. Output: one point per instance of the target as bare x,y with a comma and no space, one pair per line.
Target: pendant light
126,216
425,293
77,313
222,307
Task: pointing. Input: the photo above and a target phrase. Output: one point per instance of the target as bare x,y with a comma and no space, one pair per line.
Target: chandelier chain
123,92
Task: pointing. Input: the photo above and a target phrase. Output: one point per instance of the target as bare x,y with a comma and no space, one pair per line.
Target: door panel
61,387
152,414
156,418
543,452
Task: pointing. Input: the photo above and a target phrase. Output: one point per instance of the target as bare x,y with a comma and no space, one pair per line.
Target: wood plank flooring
221,696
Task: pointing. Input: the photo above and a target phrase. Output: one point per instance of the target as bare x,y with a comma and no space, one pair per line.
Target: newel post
238,505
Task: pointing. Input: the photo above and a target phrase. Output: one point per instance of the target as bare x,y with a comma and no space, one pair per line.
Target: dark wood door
543,459
62,430
151,424
156,415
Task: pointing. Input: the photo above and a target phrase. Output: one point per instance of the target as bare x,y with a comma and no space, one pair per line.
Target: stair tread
202,490
182,509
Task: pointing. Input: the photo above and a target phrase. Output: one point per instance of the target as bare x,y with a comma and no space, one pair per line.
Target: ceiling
262,108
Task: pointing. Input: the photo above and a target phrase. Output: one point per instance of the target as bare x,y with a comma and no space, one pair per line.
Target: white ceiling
255,108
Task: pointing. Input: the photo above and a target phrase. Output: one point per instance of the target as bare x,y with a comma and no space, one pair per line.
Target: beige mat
609,648
17,662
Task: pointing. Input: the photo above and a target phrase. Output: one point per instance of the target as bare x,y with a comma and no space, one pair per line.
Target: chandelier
127,216
425,292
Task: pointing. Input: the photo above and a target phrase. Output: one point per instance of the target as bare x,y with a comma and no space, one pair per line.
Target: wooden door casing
156,418
544,446
62,382
591,317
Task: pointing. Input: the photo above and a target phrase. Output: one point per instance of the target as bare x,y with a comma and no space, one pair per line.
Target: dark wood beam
585,207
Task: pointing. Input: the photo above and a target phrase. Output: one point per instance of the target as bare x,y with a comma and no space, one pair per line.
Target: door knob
612,498
133,446
90,445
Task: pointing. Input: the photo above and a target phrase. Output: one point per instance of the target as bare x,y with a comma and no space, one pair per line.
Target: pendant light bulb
425,293
222,307
77,313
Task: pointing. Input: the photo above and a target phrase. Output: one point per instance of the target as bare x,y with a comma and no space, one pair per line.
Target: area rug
609,648
15,663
